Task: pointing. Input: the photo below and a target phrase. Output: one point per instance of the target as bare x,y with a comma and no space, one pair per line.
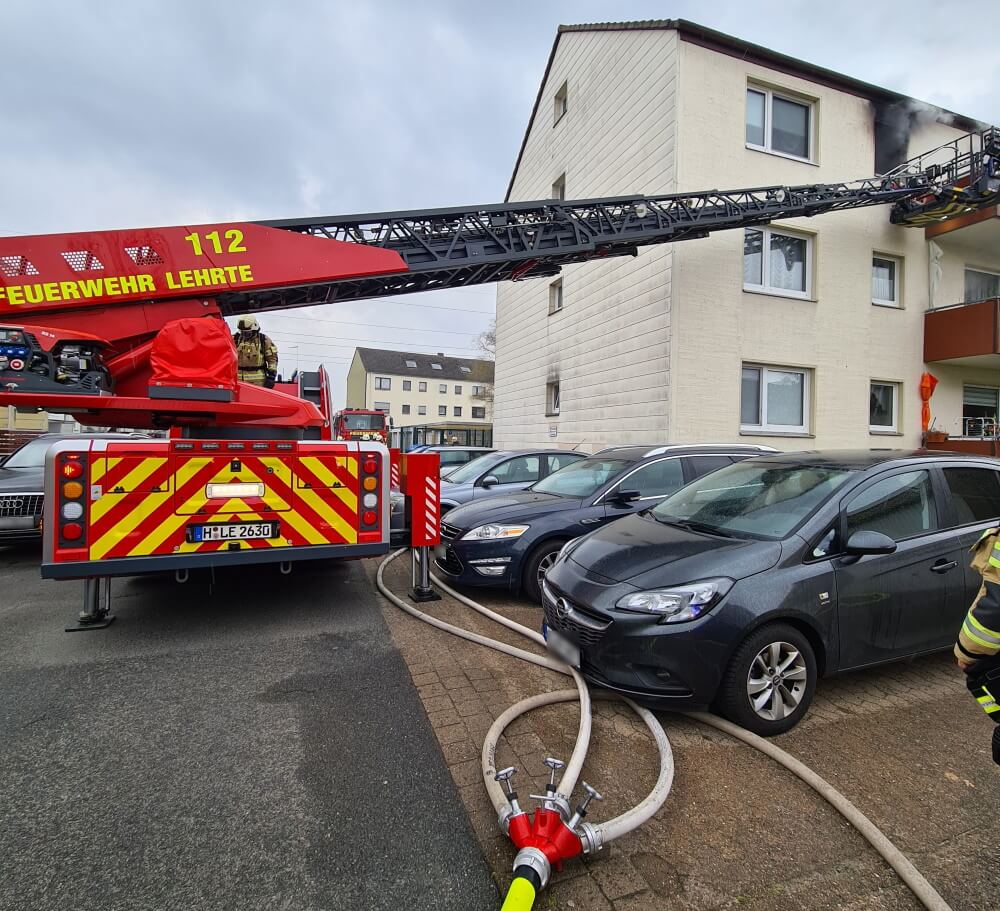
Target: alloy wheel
777,681
545,565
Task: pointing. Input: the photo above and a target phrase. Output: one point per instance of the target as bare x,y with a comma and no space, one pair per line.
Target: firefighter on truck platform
257,354
978,646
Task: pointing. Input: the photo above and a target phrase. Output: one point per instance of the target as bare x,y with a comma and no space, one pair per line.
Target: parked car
22,484
453,456
744,587
511,541
507,471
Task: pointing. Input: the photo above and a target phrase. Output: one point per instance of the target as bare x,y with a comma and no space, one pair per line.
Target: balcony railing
962,331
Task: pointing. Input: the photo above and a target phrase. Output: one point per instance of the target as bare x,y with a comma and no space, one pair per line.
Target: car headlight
678,603
493,532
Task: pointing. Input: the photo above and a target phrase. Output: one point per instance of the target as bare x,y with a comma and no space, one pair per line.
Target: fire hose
554,835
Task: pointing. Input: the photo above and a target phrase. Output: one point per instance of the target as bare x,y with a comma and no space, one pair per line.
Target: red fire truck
125,329
361,424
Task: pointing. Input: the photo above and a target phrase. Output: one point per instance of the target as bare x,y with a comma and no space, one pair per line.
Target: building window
442,411
435,365
561,104
383,382
980,410
479,390
774,399
555,296
407,385
412,364
443,388
382,406
422,387
559,187
406,409
421,409
478,412
552,398
883,406
777,262
778,123
886,274
465,369
458,390
457,411
981,286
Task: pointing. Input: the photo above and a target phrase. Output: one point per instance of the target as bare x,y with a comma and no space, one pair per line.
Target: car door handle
941,567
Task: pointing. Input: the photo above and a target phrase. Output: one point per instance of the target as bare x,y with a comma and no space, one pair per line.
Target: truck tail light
71,508
369,496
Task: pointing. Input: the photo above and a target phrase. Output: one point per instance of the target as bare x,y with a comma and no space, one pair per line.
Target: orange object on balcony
928,383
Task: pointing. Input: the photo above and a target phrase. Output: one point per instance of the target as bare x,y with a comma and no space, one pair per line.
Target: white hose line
573,768
920,887
526,631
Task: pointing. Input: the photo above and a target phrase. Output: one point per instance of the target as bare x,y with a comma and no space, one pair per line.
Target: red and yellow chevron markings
146,502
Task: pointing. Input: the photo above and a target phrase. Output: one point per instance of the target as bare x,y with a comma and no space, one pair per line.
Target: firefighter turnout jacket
257,358
980,634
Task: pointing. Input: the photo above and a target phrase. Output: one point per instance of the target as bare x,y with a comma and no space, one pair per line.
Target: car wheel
539,562
770,681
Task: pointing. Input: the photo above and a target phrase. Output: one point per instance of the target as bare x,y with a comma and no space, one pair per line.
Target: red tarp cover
194,352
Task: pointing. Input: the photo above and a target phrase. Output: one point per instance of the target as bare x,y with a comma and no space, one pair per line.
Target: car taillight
72,490
72,470
370,482
72,531
369,518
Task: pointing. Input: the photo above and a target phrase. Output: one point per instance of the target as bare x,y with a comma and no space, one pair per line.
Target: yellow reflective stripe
128,523
986,632
100,468
994,562
135,477
969,634
329,515
303,528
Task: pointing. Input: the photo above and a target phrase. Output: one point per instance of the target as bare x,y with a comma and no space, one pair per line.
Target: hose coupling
590,838
535,859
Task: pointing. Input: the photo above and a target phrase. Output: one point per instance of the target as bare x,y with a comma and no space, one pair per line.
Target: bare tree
486,342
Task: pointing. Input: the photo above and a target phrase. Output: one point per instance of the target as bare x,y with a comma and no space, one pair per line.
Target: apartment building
422,389
808,333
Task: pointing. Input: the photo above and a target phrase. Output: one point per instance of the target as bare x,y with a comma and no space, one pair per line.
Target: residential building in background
440,398
808,333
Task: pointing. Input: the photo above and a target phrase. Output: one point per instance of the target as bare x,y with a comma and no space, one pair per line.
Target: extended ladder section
448,248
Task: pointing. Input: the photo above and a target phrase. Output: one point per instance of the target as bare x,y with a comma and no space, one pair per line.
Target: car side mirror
869,543
625,496
491,480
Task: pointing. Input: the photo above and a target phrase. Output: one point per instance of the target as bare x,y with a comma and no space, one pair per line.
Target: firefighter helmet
248,324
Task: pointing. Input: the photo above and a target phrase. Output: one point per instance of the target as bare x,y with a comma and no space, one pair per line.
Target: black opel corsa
745,586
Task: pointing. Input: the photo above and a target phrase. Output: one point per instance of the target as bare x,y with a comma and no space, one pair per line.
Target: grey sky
124,114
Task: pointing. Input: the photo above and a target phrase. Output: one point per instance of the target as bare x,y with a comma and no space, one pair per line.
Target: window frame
560,102
456,411
421,385
383,383
555,297
411,364
967,419
407,385
640,466
404,409
421,409
949,496
765,255
805,429
458,390
386,410
478,417
442,388
442,411
897,261
885,428
553,398
436,366
770,94
967,268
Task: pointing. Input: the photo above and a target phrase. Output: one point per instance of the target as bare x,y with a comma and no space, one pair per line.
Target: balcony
964,334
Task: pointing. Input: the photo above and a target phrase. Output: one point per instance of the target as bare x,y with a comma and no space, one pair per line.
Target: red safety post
420,483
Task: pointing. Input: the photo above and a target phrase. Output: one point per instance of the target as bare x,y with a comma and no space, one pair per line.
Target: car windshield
472,470
761,500
583,478
364,421
30,455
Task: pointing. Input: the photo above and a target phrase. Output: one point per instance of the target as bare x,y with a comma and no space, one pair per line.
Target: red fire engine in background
125,329
361,424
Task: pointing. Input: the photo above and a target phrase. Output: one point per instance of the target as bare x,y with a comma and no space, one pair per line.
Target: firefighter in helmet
978,646
257,354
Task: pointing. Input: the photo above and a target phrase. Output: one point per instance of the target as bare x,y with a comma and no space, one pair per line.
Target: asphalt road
253,744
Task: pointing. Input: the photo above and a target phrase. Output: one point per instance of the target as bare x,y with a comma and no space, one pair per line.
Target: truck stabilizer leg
422,590
95,614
